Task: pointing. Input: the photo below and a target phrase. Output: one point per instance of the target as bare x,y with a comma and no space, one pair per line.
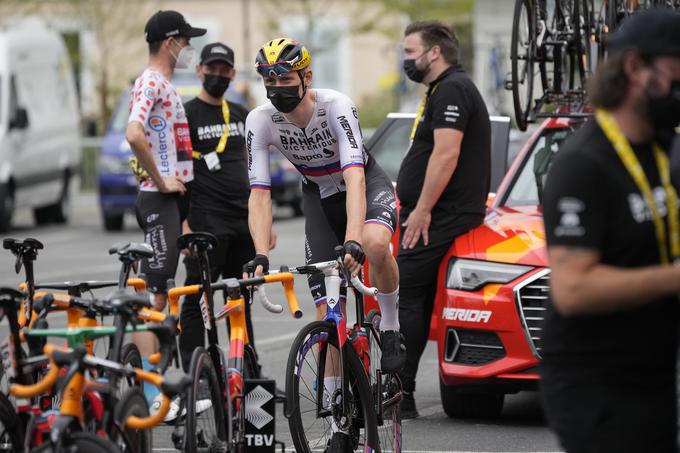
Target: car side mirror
20,120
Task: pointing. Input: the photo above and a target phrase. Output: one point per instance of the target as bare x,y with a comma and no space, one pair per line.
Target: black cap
217,51
652,32
168,24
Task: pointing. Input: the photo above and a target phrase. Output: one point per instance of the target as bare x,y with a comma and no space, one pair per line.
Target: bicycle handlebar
144,423
264,300
285,278
363,289
42,386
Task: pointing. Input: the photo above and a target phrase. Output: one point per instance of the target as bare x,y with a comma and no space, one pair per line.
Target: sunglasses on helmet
276,69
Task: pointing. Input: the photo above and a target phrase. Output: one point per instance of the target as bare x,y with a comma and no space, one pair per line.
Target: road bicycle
36,418
556,46
130,418
337,397
222,426
550,43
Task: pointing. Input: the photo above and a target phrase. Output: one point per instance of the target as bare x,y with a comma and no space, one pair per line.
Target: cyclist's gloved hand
354,256
261,264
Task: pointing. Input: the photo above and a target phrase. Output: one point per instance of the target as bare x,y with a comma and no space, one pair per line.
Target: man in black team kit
443,181
220,191
610,333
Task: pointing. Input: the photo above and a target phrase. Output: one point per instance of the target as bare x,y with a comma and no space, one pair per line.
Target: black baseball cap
652,32
168,24
217,51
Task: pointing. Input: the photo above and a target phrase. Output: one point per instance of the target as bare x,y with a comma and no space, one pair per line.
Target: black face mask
412,71
285,99
216,85
664,113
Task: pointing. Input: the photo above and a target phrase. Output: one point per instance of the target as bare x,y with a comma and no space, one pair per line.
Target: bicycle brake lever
340,251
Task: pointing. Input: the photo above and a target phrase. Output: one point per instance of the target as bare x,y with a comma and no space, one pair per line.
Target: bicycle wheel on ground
11,428
129,355
80,443
386,390
317,417
522,51
205,427
132,402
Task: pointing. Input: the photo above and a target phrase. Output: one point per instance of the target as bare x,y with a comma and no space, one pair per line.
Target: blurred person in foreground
611,220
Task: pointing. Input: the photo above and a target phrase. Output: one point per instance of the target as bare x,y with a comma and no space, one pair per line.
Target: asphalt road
79,251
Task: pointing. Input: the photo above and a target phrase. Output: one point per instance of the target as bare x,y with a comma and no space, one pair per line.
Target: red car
493,284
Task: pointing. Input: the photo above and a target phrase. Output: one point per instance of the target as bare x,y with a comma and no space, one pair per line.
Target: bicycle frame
71,415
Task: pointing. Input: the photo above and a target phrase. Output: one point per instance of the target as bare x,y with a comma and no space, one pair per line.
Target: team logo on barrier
255,414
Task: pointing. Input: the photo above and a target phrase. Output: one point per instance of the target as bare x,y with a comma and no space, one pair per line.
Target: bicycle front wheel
205,424
132,402
523,45
317,417
11,428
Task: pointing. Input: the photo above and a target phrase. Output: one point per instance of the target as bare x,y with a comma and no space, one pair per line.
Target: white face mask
185,57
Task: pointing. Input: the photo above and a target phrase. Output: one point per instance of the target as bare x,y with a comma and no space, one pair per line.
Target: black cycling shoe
408,406
393,351
339,443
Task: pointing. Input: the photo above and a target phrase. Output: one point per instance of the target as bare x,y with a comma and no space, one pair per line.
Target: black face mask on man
216,85
413,72
285,98
664,113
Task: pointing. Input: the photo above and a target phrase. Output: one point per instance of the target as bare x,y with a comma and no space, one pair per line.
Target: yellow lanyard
632,164
222,145
421,111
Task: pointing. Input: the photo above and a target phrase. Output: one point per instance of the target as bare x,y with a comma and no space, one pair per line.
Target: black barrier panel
260,407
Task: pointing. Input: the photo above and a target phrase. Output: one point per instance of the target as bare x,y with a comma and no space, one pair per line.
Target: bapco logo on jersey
157,123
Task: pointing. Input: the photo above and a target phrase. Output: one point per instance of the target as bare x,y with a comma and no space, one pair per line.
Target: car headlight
115,165
471,275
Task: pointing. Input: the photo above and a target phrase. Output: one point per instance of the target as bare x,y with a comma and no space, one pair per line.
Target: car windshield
526,189
391,148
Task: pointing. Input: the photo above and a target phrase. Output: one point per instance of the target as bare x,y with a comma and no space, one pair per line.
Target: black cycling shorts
326,221
159,215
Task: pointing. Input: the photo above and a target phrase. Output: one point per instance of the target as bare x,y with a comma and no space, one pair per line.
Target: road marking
276,339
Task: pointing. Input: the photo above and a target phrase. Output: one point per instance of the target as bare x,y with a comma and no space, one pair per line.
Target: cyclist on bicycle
347,197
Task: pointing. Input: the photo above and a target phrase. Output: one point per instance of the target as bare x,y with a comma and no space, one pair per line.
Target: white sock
389,310
330,385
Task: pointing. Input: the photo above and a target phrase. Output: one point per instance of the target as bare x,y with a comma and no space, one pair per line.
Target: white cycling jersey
329,144
155,104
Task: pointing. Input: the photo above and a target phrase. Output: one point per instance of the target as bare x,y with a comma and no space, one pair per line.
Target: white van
39,123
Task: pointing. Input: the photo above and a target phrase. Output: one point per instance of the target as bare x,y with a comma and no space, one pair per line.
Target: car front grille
532,297
472,347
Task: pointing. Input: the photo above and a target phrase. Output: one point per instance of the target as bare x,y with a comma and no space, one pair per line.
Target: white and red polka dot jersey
155,104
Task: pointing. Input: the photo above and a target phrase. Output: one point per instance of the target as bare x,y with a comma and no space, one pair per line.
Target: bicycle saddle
131,251
20,247
175,384
126,300
199,242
